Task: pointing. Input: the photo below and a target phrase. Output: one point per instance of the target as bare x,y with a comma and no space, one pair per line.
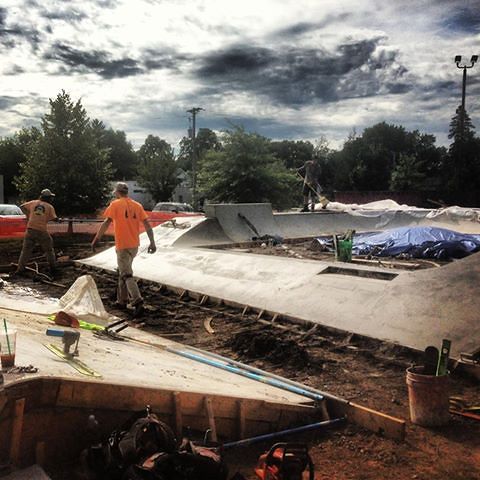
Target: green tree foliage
157,170
462,169
246,171
13,152
121,154
293,154
383,155
205,141
67,159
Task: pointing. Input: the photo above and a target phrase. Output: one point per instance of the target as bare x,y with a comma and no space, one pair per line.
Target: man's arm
148,228
101,232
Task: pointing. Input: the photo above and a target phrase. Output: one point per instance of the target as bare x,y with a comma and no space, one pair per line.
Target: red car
164,211
13,222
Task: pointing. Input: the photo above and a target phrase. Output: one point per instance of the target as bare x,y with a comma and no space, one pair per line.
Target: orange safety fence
15,227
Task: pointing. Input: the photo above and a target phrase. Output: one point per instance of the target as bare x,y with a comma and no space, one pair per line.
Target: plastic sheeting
82,300
416,242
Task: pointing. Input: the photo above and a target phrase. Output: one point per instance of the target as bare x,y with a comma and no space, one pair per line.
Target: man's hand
152,248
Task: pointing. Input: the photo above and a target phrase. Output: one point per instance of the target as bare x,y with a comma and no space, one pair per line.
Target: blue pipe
271,436
249,368
253,376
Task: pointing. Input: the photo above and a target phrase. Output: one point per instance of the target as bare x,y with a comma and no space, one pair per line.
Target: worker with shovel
127,215
308,172
39,212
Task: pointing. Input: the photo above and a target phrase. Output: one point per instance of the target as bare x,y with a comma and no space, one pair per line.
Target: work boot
137,308
304,209
53,273
18,274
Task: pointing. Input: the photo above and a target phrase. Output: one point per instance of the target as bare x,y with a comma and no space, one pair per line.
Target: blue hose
253,376
271,436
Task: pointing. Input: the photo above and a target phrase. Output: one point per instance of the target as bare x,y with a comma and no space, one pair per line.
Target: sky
287,69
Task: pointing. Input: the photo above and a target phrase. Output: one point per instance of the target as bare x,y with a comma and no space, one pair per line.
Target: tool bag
138,439
198,465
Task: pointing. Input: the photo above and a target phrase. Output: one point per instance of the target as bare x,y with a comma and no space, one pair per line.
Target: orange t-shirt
39,214
127,216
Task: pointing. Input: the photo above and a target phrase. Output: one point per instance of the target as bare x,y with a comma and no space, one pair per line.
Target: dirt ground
368,372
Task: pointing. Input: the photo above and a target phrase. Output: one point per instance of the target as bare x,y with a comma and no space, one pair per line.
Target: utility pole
193,153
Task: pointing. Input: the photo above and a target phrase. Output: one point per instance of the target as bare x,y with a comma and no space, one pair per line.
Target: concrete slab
414,309
130,363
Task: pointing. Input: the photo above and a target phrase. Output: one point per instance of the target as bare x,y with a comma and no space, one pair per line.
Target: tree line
77,157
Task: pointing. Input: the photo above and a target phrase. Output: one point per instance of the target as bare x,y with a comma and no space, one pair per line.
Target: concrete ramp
243,221
296,224
415,309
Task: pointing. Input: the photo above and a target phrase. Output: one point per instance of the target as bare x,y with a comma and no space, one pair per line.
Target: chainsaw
285,461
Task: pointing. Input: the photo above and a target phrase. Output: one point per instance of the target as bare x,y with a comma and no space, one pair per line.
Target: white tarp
82,300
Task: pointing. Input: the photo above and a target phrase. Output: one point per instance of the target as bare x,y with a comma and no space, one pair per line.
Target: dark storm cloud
298,76
463,19
306,27
158,59
10,33
237,60
96,61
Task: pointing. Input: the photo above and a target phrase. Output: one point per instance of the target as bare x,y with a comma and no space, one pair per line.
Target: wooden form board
38,416
55,413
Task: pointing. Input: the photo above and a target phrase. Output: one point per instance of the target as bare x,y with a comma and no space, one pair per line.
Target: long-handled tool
323,200
112,330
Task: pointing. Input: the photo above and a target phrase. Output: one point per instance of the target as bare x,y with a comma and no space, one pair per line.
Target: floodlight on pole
473,60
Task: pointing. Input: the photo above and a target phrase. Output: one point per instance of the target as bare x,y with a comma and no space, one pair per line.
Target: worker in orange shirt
127,215
39,213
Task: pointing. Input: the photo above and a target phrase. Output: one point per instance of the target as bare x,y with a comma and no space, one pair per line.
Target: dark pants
33,237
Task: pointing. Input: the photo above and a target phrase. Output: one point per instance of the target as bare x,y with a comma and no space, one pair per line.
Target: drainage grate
359,273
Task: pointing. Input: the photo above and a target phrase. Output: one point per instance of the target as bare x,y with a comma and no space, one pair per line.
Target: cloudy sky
294,69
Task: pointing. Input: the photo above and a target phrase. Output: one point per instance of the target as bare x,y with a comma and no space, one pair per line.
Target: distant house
138,193
181,194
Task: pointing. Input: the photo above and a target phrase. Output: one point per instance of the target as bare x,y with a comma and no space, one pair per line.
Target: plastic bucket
7,348
344,251
428,397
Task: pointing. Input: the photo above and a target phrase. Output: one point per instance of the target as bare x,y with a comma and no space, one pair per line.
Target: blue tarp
414,242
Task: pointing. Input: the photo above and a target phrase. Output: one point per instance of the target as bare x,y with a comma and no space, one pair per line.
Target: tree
293,154
12,154
205,141
245,171
383,155
66,158
121,154
462,169
157,171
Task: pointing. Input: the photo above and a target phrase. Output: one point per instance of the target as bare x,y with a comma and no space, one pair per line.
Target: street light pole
193,153
473,60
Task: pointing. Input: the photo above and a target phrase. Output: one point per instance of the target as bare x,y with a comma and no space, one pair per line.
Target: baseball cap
121,187
46,193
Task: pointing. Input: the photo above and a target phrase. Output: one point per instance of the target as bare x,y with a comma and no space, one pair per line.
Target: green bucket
343,252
